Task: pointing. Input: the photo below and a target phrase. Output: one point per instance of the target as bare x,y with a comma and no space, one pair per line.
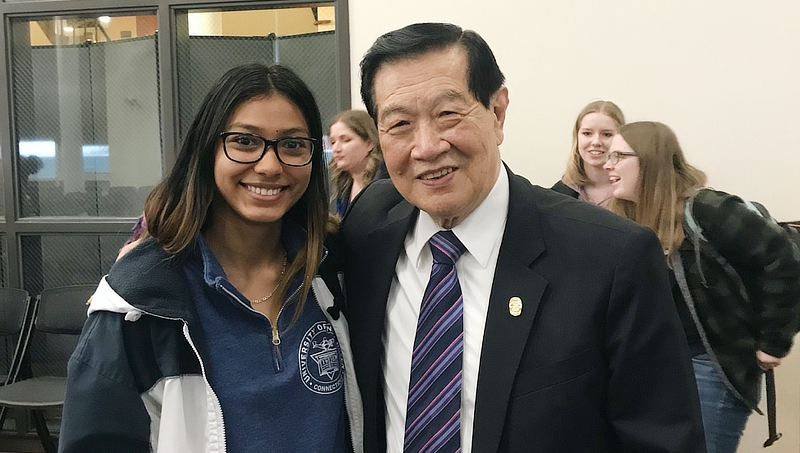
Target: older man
488,314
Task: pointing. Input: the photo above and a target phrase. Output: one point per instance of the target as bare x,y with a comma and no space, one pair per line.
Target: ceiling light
104,19
68,29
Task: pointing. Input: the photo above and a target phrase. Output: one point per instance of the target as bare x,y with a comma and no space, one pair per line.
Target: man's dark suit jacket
596,362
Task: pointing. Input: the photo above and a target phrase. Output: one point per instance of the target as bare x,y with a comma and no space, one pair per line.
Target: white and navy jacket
136,381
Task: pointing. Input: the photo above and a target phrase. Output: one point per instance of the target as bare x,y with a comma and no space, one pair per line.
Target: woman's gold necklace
280,279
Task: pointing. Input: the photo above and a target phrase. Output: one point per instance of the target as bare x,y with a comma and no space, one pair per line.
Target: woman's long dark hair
177,209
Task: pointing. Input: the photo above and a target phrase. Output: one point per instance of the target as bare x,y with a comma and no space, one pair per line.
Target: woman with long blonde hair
585,177
356,158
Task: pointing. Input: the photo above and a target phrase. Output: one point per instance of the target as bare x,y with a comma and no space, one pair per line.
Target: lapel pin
515,306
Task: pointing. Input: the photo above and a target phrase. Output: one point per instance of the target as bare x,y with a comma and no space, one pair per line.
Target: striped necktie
433,415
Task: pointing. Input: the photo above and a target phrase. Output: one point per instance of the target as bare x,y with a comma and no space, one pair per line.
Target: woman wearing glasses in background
217,333
732,335
585,178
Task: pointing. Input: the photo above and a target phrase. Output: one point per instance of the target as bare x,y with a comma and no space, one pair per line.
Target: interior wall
261,22
282,22
724,75
127,26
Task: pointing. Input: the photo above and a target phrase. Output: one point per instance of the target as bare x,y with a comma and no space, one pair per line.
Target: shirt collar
487,221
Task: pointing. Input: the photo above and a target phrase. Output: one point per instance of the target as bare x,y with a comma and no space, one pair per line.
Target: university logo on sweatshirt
321,359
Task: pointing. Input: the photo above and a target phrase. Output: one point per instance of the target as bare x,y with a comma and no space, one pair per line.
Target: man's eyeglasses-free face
613,158
247,148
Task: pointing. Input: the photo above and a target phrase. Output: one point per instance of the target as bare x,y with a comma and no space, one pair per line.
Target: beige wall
725,75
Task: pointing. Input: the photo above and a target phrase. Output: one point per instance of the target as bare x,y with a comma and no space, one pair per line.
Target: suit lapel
505,335
387,243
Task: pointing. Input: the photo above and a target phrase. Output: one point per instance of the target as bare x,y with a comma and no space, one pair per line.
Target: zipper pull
276,339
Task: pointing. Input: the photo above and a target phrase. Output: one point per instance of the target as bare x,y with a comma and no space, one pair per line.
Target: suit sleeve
103,410
653,404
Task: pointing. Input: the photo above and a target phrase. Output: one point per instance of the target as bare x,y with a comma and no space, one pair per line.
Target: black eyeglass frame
267,144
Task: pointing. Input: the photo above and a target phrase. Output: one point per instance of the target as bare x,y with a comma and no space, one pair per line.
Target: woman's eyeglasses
247,148
614,157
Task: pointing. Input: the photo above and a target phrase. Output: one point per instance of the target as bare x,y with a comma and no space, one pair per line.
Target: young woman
217,333
733,335
585,178
357,157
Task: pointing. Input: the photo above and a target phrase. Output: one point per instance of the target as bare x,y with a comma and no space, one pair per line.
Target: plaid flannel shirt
768,261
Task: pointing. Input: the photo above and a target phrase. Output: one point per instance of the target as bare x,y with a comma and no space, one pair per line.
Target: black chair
16,313
15,310
59,315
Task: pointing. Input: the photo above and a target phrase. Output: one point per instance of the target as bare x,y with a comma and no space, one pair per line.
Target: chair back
62,310
14,316
13,306
60,315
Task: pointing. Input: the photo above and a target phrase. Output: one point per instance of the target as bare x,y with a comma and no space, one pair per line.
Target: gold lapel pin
515,306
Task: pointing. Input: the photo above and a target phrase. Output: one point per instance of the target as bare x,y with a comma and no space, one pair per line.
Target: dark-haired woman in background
585,177
217,333
733,335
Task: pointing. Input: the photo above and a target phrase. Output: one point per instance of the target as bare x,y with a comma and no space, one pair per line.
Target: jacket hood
151,281
106,299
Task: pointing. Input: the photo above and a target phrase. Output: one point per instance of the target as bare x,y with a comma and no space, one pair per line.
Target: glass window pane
300,38
67,259
86,114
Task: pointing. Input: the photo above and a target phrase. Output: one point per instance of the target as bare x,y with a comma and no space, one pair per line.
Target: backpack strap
769,378
695,233
704,245
759,208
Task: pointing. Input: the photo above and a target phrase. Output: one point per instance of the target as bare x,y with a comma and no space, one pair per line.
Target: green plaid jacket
733,325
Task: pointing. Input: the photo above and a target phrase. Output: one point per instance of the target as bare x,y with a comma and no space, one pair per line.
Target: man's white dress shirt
481,233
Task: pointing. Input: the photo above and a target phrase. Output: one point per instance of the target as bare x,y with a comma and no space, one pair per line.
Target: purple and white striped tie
433,415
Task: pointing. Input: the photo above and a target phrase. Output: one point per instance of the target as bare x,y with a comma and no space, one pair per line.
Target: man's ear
499,105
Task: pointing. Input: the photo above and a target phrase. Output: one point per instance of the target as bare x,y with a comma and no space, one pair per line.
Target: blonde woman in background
357,159
585,178
733,333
